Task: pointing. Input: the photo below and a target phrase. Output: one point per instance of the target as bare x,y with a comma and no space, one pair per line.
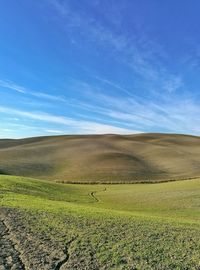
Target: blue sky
99,66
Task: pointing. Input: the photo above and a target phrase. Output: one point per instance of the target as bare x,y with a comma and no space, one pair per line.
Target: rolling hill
103,158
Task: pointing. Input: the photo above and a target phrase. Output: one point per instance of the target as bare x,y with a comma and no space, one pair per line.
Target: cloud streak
23,90
139,53
12,86
169,114
103,113
79,126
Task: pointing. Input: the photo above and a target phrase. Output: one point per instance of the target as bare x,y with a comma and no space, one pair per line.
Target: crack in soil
66,251
93,194
10,255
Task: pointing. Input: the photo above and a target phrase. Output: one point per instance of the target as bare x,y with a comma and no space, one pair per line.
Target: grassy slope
103,158
178,201
148,226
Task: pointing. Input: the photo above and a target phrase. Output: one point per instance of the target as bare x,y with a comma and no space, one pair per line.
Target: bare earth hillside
103,158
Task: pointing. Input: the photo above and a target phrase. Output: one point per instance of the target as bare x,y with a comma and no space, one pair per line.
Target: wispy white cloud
23,90
170,113
123,115
115,114
113,84
75,125
142,55
54,131
12,86
173,84
178,112
7,130
48,96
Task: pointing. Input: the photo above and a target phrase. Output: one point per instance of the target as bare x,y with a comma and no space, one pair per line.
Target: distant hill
103,158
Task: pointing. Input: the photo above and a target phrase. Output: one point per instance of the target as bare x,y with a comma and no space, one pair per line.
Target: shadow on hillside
3,172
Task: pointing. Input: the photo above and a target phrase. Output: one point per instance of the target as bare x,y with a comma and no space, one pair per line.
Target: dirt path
10,257
93,194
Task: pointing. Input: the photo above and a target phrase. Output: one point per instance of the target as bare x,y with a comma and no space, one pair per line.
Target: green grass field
141,226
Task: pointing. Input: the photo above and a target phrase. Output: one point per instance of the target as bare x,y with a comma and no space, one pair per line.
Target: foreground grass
123,227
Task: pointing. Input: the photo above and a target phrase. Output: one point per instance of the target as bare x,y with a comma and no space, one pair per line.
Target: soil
20,249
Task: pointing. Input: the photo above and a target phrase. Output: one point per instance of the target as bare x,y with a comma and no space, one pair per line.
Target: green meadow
122,226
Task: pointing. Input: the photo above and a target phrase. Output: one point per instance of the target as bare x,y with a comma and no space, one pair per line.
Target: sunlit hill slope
103,158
